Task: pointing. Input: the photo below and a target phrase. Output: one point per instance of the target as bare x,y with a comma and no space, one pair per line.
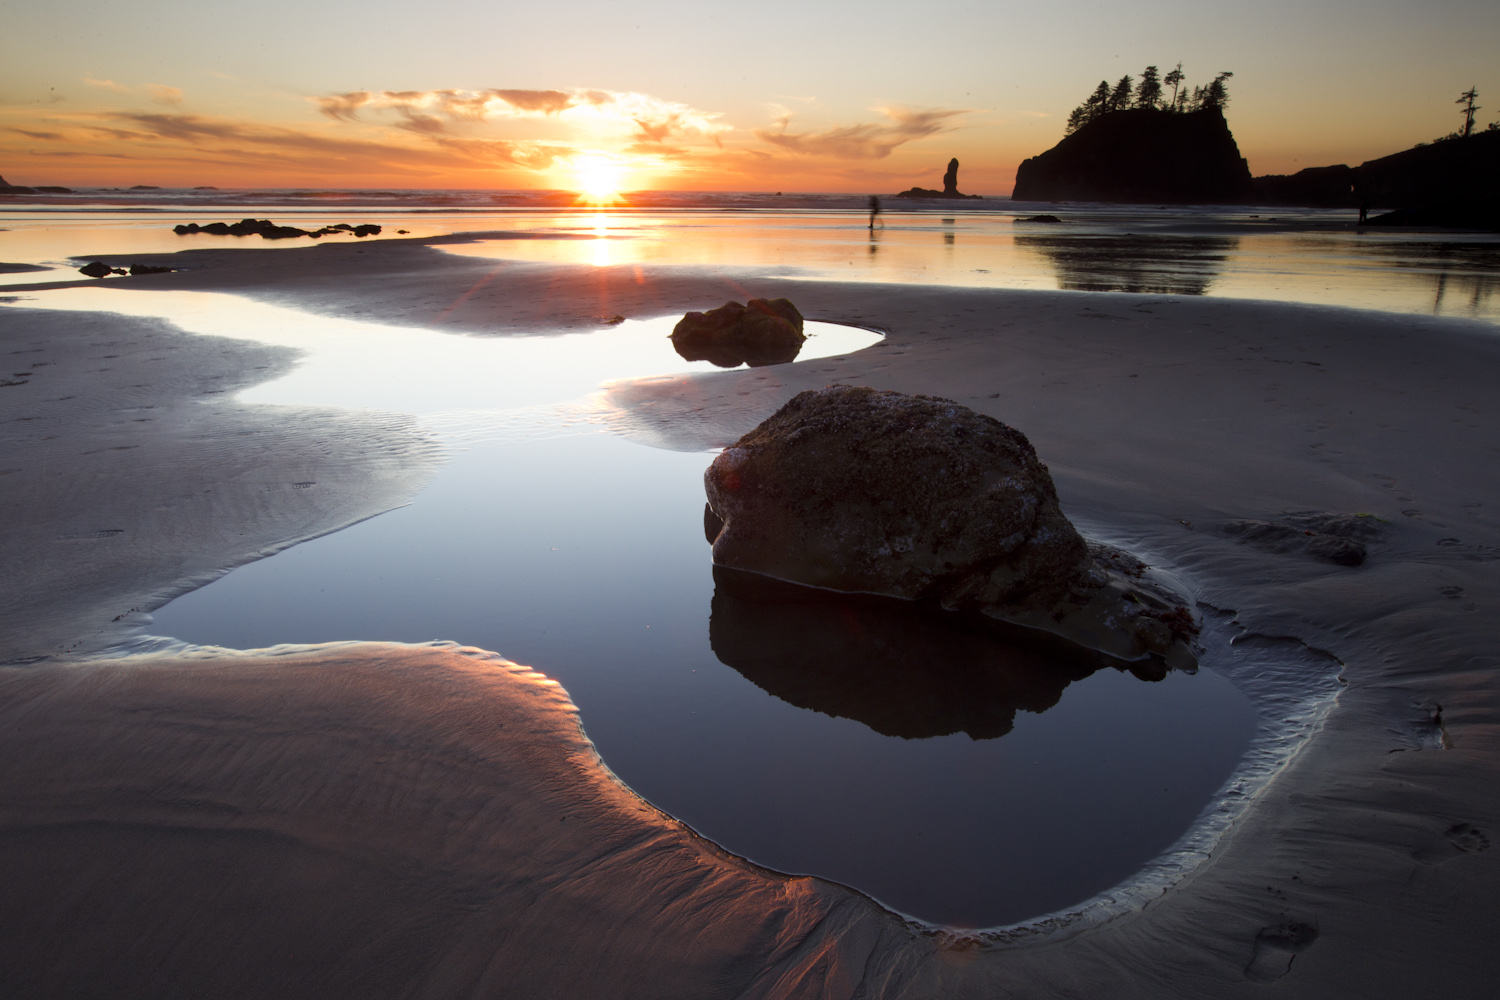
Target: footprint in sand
1275,949
1458,839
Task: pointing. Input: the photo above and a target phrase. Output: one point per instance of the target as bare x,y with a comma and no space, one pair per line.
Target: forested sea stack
1141,155
1135,143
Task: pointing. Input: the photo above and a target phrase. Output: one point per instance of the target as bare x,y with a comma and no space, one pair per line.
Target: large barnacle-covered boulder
864,491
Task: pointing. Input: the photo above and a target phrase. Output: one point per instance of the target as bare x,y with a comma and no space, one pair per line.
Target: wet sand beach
381,819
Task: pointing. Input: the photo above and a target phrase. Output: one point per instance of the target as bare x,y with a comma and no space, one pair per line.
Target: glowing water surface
1287,255
582,554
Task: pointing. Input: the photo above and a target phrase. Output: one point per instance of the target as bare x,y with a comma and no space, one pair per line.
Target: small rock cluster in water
98,269
864,491
267,229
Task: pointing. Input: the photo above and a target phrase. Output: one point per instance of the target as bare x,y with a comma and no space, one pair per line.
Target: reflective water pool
951,776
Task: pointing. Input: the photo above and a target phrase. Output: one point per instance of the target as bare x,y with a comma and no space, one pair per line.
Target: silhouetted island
950,187
7,188
1141,155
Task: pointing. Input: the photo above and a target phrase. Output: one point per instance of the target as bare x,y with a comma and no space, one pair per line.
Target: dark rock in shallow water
900,667
1141,155
96,269
856,490
267,229
1335,538
760,332
1040,218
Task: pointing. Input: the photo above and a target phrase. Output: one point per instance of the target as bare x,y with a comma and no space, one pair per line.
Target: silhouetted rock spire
950,186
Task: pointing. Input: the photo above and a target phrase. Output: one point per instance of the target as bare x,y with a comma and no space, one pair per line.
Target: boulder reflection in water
734,355
902,668
1159,265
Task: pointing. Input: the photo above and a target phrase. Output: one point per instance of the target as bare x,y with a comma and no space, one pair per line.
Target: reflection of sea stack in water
857,490
761,332
950,187
902,668
1157,264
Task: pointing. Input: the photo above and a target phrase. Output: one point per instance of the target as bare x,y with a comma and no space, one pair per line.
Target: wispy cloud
118,88
41,136
645,119
157,93
865,141
198,130
162,94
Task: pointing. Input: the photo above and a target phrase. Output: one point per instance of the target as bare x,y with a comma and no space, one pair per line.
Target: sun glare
598,179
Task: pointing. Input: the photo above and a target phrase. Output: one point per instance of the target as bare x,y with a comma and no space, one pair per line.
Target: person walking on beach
874,211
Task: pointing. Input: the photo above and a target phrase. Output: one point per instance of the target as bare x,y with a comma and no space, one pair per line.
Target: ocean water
1290,255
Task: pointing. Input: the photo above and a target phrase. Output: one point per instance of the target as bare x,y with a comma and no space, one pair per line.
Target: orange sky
665,94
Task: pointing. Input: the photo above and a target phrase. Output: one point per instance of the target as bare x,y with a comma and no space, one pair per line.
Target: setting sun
598,178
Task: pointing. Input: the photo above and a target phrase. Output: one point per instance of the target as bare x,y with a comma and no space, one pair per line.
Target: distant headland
7,188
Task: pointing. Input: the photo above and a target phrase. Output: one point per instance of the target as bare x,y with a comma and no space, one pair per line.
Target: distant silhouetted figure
1364,212
875,209
950,179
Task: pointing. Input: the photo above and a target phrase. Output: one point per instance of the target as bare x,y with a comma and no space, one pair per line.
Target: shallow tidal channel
580,553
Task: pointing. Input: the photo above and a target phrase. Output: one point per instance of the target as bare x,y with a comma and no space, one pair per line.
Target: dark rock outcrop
1141,155
1049,219
950,187
758,333
99,269
862,491
1448,183
8,188
267,229
1457,213
1443,172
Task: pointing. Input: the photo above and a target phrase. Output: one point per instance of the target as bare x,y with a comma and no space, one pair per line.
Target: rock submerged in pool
758,333
865,491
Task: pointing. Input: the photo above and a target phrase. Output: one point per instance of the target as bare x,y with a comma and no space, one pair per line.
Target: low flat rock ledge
864,491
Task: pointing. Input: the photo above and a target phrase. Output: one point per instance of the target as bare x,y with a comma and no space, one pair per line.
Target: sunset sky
774,95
